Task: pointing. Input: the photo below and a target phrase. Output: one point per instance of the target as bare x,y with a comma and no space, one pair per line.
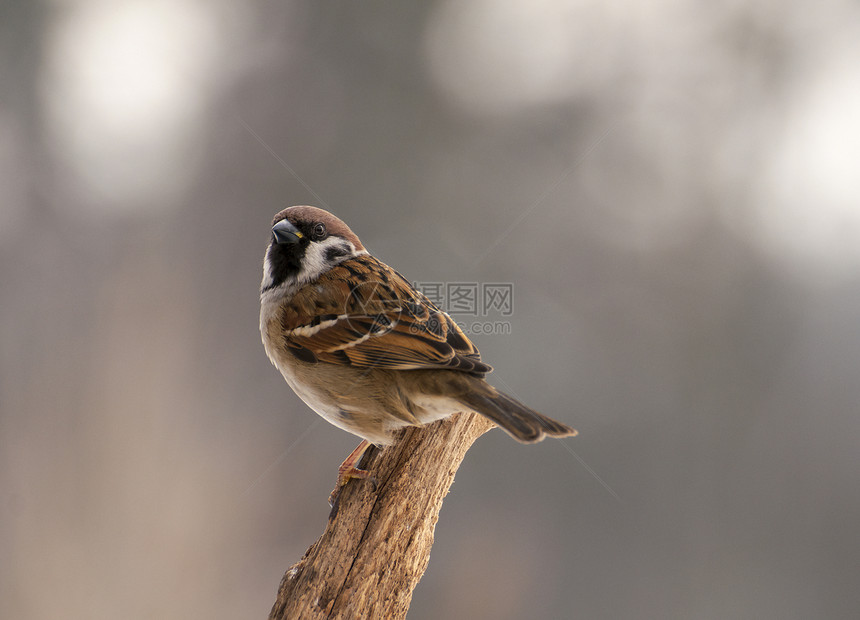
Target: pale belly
364,418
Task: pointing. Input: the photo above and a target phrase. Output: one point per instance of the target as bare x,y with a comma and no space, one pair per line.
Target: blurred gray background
671,188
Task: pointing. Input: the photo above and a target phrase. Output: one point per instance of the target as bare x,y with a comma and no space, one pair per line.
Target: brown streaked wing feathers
385,323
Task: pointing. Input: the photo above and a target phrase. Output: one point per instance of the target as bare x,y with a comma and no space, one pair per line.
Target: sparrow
366,350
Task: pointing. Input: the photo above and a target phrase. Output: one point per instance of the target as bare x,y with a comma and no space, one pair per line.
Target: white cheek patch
319,257
316,261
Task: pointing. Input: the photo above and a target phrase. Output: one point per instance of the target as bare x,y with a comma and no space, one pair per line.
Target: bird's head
304,244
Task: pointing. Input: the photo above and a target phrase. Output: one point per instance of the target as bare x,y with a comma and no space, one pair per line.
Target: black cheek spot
335,252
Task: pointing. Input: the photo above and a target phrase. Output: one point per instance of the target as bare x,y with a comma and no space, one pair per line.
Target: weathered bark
376,545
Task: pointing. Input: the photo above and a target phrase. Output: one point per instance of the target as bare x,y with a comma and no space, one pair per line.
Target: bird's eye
318,231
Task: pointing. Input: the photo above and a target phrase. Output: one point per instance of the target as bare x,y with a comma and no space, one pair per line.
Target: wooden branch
377,543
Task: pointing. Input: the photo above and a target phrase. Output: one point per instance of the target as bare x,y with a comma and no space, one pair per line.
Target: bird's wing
364,314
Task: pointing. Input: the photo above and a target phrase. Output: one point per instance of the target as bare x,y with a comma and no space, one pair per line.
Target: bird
363,348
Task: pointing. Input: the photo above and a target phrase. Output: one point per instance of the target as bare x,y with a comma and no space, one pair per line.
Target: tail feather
520,422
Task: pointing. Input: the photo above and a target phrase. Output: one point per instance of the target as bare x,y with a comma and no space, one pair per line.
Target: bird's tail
520,422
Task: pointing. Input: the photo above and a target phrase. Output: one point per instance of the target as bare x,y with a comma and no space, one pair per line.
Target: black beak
285,233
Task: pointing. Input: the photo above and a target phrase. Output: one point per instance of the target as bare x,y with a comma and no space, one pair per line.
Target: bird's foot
347,471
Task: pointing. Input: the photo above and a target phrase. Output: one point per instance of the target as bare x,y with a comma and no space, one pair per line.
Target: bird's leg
348,469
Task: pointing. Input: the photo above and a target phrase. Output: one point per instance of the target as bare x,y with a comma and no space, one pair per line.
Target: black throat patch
285,261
